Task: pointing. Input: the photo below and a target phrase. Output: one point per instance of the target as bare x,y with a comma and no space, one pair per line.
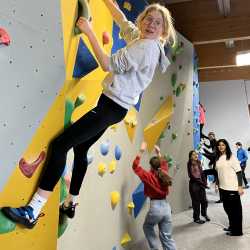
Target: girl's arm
115,11
84,25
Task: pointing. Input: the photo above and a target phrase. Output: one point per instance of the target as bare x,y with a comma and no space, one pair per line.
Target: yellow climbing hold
115,198
125,239
131,123
131,206
112,166
101,169
127,6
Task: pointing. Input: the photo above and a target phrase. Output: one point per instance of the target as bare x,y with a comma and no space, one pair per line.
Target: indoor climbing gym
125,125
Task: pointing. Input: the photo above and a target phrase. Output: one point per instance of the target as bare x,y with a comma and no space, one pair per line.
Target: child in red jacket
156,182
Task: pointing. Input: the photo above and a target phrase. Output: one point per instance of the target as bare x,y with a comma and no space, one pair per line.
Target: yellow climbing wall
19,189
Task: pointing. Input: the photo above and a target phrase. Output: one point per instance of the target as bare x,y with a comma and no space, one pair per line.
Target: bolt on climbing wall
32,72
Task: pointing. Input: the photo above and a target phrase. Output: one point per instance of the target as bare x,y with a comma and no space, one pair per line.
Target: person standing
156,187
197,186
230,184
242,157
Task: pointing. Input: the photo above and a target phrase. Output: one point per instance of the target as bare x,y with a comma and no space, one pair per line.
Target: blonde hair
169,34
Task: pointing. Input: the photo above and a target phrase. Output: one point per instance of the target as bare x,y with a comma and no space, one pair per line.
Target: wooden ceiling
210,25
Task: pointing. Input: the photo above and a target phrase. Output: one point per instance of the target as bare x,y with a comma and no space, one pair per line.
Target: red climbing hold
28,169
4,37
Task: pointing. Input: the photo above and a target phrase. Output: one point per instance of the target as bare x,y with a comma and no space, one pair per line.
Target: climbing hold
6,225
173,79
63,190
69,108
174,136
101,169
114,127
183,86
162,136
105,38
125,239
4,37
118,153
28,169
112,166
104,148
82,10
115,198
169,160
127,5
90,158
161,98
79,101
131,206
173,58
178,91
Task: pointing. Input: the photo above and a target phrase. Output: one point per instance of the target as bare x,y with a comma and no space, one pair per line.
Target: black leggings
81,136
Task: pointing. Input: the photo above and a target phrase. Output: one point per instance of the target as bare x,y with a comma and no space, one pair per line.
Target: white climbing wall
32,72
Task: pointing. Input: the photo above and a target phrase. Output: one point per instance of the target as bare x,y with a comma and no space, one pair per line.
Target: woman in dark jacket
197,186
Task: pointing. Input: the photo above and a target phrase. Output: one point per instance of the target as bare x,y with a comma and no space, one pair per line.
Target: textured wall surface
32,72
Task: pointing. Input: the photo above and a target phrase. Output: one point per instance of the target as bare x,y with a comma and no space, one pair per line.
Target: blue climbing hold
105,147
118,153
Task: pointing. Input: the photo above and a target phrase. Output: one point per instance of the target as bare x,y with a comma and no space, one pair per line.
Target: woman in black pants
230,184
132,71
197,186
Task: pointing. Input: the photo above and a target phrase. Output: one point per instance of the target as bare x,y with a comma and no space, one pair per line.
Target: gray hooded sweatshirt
132,67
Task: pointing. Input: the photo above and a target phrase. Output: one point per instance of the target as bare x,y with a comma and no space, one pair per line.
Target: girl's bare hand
84,25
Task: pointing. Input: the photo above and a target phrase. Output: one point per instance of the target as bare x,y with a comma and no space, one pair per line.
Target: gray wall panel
32,73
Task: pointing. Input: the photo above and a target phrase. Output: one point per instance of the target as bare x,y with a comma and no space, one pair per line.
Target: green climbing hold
174,136
69,108
62,225
6,225
162,136
63,190
169,160
178,91
173,58
173,79
79,100
161,98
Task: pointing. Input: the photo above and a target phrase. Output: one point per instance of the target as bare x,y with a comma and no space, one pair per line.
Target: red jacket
152,186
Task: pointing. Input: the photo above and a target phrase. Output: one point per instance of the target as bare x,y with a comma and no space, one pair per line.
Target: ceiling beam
231,73
201,21
218,56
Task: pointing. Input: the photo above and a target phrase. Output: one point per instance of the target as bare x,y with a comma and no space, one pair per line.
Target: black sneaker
199,221
206,218
22,215
69,211
227,229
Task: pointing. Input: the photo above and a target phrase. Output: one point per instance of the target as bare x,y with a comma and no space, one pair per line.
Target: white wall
227,111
